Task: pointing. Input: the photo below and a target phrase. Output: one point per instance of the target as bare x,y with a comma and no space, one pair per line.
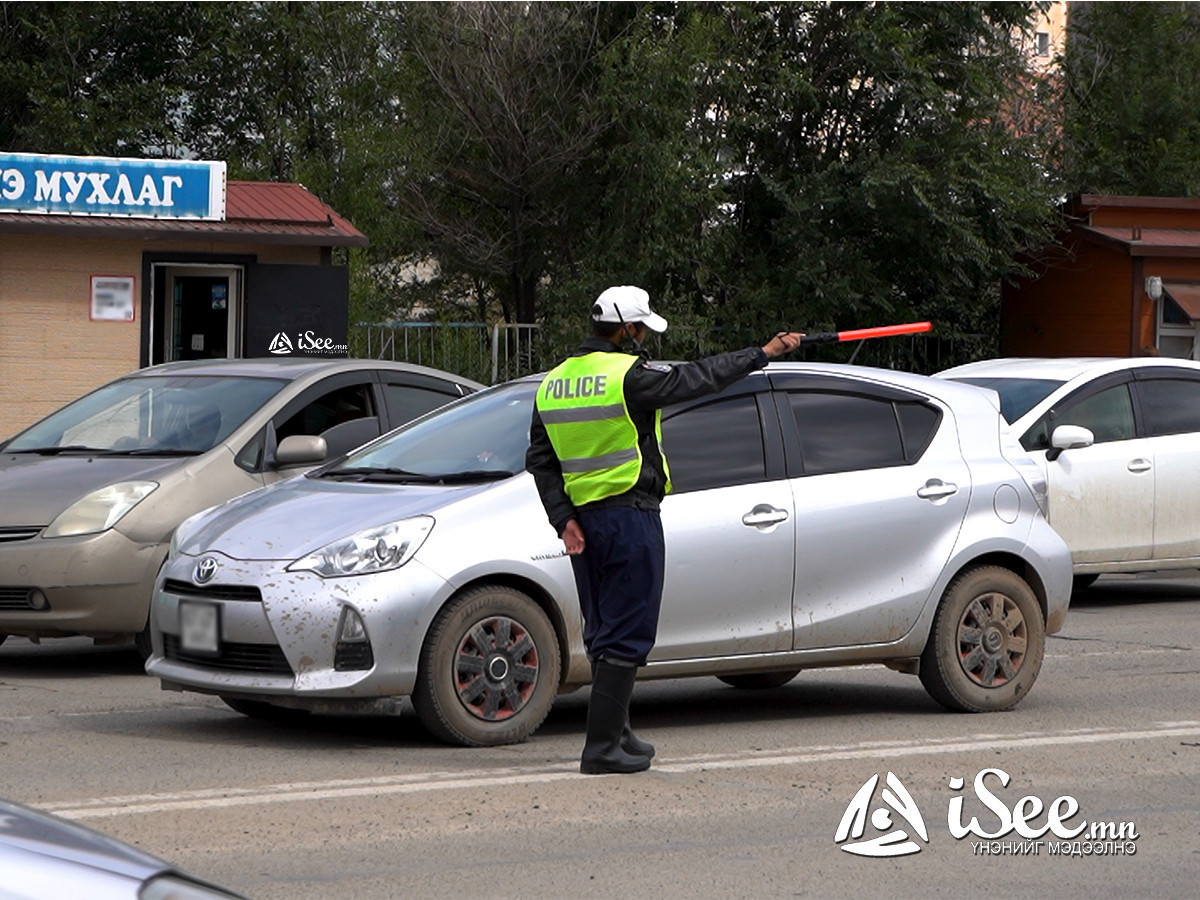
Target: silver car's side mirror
1069,437
300,450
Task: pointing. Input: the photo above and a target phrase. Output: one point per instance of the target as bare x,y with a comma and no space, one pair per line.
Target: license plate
199,626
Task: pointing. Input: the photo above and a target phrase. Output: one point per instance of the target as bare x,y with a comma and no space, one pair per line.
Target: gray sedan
90,495
822,516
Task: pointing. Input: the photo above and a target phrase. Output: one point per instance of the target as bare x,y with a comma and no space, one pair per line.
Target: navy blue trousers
619,577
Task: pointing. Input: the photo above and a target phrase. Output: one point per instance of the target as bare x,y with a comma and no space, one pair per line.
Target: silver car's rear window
1017,395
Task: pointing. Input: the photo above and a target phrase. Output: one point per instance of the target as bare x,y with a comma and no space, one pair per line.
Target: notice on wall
112,298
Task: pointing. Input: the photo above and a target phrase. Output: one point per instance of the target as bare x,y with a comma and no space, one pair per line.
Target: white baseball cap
627,303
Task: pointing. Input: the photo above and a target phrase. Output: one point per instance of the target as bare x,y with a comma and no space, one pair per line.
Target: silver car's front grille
19,532
265,659
236,592
15,597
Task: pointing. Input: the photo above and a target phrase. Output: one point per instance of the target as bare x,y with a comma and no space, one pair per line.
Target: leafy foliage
754,165
1131,117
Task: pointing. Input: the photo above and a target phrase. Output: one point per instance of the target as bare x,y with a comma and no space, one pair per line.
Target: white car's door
1102,496
1171,420
730,534
878,513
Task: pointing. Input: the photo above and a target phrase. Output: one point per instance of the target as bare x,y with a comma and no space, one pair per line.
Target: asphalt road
745,798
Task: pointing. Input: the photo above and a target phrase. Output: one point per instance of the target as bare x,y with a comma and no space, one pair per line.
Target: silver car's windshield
484,436
152,416
1017,395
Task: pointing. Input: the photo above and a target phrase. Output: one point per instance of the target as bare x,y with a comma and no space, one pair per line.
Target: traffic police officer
597,459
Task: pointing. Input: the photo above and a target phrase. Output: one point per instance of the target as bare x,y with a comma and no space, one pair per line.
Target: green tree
1131,116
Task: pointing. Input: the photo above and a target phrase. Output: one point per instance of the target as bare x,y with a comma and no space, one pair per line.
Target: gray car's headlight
100,510
374,550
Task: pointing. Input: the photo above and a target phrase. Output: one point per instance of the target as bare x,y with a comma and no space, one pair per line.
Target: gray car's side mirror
300,450
1069,437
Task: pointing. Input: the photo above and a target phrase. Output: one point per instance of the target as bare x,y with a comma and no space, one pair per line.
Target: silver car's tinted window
488,431
846,432
1170,405
166,413
1017,395
697,461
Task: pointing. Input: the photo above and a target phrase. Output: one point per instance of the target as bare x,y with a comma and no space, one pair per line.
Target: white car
1119,442
822,515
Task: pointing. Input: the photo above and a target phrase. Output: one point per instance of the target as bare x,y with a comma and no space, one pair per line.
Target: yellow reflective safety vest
582,404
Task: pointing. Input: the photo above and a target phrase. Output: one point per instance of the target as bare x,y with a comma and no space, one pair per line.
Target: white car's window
1170,405
699,462
150,416
1108,414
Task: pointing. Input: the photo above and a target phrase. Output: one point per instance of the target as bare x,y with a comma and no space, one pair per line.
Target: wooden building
1122,280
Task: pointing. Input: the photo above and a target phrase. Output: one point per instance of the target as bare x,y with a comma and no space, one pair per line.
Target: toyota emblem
205,570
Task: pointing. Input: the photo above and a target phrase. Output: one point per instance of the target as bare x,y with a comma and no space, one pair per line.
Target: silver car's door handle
936,489
1139,465
764,514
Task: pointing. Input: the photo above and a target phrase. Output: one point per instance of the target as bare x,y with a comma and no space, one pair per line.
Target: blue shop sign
107,186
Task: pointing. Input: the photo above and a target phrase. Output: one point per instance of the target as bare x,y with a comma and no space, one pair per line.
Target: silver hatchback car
822,515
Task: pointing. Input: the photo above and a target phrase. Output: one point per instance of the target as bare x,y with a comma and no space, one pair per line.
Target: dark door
200,317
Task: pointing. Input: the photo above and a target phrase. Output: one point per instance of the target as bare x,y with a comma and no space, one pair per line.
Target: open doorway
197,312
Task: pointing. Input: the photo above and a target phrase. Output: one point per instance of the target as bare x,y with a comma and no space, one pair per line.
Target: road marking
424,782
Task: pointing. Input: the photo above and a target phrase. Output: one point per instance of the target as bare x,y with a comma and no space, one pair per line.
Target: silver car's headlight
100,510
373,550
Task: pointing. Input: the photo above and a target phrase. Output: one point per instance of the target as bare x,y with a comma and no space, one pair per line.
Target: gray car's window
1170,405
699,462
1017,395
846,432
405,402
1108,414
152,414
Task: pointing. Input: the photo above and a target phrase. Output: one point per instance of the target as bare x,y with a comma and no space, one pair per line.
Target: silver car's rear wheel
489,669
987,642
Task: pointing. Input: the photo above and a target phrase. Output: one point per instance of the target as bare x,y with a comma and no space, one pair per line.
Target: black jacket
649,386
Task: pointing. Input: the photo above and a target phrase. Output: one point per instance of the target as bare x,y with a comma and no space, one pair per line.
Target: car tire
489,669
268,712
759,681
987,642
142,642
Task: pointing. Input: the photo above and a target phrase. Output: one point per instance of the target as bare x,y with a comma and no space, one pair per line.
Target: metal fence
495,353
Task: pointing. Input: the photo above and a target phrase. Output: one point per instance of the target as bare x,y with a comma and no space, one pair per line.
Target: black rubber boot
630,742
608,714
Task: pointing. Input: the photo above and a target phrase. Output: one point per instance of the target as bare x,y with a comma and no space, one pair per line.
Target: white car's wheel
489,669
986,646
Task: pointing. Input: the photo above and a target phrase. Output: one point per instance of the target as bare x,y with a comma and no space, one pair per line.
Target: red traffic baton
833,337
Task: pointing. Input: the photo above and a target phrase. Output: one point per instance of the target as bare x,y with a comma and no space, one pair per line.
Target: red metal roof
1145,241
266,212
